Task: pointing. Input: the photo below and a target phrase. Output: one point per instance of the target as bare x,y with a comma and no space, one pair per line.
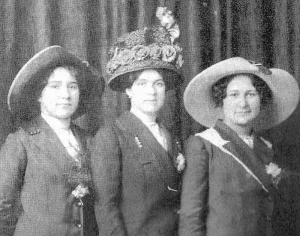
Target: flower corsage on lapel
79,177
277,173
180,158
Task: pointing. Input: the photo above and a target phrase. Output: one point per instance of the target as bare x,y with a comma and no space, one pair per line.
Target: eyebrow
237,90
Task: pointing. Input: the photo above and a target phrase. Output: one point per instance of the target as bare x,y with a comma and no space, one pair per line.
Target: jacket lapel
253,160
162,159
45,139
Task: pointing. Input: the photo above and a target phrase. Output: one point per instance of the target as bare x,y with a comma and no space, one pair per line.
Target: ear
128,92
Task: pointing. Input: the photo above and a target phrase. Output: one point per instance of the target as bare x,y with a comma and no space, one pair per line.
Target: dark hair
218,90
80,76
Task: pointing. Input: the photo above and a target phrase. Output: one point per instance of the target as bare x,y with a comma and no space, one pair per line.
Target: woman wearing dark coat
134,167
230,181
45,180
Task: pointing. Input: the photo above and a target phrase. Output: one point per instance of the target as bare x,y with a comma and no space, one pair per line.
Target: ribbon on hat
261,67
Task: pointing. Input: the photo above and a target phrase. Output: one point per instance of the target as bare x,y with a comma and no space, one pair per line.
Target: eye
141,83
252,94
160,84
233,94
74,86
53,85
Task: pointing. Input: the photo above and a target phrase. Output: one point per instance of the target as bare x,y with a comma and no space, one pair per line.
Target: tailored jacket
35,195
225,188
136,182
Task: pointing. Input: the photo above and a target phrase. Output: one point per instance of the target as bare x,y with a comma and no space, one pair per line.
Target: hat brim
22,100
199,103
120,80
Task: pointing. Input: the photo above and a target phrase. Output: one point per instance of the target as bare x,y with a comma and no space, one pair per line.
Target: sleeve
12,168
106,175
194,193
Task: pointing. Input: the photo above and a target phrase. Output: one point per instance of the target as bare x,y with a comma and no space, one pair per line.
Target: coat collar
145,141
253,160
44,138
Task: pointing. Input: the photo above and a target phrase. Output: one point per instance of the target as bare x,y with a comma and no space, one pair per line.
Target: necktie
247,139
70,143
158,134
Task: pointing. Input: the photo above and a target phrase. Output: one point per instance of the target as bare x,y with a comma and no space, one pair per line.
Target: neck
244,130
55,122
147,117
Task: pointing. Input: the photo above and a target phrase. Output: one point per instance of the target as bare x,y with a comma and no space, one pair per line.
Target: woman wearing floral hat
45,180
134,167
230,180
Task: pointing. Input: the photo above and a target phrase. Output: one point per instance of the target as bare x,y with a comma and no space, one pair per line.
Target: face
242,102
147,92
60,97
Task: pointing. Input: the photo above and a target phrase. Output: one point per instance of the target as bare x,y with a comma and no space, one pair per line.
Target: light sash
214,137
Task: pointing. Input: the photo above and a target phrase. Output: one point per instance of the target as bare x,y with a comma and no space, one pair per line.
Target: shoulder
106,136
196,145
24,131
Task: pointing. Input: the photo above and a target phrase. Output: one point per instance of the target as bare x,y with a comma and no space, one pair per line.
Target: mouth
244,112
151,101
64,104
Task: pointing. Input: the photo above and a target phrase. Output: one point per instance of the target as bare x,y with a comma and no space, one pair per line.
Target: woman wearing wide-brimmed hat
134,168
45,180
230,179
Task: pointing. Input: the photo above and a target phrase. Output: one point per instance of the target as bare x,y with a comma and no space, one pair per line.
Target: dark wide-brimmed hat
199,103
148,48
22,96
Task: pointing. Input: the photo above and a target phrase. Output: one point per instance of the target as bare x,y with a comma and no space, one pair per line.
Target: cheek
255,104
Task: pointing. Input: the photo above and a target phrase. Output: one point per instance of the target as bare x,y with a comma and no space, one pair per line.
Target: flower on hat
150,47
168,53
141,52
155,51
179,61
167,20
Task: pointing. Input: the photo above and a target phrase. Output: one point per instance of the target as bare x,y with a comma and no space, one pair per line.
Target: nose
151,89
243,101
64,92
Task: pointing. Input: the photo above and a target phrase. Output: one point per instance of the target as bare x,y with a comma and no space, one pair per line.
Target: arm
12,168
106,175
194,189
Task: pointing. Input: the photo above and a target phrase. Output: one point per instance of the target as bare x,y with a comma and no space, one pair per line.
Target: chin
245,122
64,116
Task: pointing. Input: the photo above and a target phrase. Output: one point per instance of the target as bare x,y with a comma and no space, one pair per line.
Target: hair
80,75
218,90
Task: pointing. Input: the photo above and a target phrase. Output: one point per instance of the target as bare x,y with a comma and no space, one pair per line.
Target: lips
64,104
243,113
151,100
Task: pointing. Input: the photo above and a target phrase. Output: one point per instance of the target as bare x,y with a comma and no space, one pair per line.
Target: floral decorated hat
152,47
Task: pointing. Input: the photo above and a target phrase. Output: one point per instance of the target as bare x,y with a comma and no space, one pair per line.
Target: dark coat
135,180
35,194
219,196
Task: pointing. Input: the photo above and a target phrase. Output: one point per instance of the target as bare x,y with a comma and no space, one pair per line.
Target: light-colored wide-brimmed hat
199,103
152,47
22,100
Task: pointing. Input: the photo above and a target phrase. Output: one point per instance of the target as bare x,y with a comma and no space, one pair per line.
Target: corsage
80,191
278,173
